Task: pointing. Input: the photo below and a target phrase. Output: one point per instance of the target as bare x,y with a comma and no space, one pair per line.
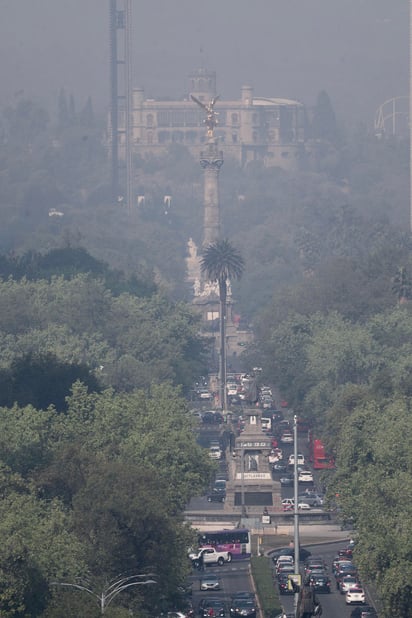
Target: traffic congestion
225,588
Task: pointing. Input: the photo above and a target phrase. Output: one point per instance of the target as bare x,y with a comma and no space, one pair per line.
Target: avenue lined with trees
99,346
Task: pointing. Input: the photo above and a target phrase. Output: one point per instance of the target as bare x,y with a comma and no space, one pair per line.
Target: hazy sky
356,50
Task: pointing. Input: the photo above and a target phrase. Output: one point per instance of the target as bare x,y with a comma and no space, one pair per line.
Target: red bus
320,459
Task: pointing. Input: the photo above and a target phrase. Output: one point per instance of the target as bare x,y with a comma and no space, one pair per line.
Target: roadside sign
294,579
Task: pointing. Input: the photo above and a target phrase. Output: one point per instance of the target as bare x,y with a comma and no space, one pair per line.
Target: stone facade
251,128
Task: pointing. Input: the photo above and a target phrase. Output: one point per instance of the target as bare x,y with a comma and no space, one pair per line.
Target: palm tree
221,261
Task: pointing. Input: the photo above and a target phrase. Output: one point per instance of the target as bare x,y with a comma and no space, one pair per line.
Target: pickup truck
210,556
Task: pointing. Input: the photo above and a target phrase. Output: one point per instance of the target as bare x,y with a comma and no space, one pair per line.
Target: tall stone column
211,160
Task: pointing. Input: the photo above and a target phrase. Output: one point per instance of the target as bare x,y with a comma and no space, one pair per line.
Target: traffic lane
333,604
200,503
233,577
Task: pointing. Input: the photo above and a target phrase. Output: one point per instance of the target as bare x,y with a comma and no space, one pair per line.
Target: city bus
236,541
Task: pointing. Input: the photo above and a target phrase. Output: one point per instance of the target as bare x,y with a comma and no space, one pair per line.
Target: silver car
209,582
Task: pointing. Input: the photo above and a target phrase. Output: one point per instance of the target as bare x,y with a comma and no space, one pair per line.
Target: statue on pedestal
211,116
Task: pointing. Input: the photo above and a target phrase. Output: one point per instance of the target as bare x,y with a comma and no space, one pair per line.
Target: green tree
222,261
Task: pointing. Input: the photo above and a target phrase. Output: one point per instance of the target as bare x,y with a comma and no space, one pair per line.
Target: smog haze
356,50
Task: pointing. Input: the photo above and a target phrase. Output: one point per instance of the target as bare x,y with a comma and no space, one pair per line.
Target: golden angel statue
211,116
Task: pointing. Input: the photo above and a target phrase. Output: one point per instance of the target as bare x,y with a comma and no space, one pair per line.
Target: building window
255,136
177,119
150,137
177,137
284,154
192,119
190,137
212,315
163,137
163,119
149,120
235,118
234,138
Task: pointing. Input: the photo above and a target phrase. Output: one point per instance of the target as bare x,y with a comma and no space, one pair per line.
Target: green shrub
268,594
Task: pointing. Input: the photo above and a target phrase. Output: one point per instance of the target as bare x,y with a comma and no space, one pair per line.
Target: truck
210,556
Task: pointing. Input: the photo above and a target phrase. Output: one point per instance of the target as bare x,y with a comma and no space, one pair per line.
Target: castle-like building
270,130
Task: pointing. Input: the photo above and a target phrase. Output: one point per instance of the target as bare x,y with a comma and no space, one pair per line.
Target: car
278,466
289,551
367,611
320,582
313,501
345,569
283,584
314,563
287,480
242,607
338,563
305,476
304,506
285,569
347,581
288,502
209,582
355,595
286,438
300,459
215,452
284,403
308,495
212,604
204,394
347,552
220,484
216,495
284,558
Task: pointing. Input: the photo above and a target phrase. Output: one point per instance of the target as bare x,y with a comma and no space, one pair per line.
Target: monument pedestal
251,488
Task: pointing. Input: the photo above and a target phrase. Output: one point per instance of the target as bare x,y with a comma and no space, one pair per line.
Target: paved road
333,604
233,577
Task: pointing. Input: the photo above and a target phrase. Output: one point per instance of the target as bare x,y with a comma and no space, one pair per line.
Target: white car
301,459
303,506
305,476
204,395
231,389
215,452
355,595
286,438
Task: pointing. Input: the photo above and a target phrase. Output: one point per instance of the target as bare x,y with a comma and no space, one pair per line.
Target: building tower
120,26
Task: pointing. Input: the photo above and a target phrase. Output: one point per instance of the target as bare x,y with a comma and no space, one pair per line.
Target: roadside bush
268,595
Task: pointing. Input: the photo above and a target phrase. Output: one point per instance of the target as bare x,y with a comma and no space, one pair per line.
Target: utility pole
296,506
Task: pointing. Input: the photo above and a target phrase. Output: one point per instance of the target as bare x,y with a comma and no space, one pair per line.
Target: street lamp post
112,590
296,507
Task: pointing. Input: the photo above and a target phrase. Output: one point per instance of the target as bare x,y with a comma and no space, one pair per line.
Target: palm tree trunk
222,324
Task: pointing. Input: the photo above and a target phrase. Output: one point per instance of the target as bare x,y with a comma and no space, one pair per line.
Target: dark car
287,480
211,607
345,568
241,607
290,551
364,612
320,583
216,495
346,553
283,584
279,467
